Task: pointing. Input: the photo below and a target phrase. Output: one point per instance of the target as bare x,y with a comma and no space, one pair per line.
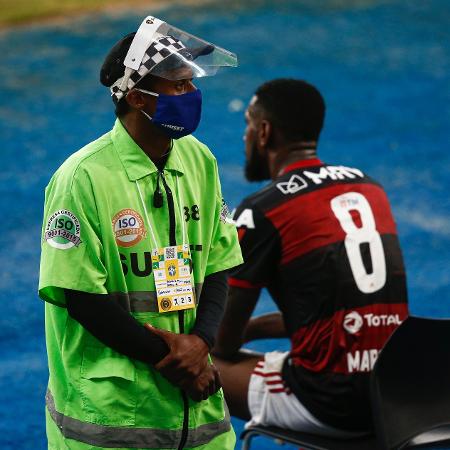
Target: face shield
168,52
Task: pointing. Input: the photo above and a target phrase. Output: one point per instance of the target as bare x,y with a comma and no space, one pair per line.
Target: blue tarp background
383,67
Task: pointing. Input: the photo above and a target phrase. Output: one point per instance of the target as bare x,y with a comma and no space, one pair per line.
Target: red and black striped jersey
323,241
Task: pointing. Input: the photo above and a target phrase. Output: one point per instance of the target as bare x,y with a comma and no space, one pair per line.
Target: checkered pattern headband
158,51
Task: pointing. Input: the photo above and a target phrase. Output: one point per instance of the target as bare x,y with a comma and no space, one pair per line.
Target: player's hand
187,359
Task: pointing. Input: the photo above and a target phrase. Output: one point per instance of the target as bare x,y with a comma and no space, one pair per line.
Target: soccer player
322,240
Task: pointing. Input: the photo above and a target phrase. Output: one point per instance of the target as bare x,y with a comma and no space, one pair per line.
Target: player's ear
265,131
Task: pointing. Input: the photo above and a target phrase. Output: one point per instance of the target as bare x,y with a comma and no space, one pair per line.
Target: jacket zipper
173,241
184,433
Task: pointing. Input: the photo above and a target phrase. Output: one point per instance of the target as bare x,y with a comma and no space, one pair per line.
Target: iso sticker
128,227
63,230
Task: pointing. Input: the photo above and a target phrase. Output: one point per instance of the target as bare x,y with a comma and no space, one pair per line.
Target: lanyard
180,202
171,265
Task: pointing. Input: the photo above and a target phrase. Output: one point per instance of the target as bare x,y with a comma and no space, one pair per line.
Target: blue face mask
177,115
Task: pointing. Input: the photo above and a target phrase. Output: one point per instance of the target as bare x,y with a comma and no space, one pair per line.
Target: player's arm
260,245
211,307
240,305
266,326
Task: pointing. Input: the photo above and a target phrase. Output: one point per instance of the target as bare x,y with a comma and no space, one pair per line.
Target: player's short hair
295,107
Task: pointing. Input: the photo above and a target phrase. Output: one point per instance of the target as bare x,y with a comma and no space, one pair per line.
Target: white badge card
171,268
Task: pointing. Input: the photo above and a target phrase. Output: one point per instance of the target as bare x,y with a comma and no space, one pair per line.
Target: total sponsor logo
364,360
353,321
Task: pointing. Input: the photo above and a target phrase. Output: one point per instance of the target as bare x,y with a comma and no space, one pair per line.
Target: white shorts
272,403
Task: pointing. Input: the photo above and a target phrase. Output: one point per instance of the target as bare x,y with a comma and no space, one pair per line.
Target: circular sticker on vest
63,230
166,303
128,227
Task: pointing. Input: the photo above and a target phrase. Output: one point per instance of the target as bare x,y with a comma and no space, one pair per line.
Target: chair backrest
410,384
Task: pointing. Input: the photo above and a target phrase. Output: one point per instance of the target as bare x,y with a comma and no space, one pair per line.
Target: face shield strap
147,115
143,38
161,48
148,92
124,83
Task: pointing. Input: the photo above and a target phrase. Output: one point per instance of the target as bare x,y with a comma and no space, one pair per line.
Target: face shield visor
168,52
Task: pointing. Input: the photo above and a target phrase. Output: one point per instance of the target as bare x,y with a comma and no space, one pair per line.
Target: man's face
163,86
173,87
256,167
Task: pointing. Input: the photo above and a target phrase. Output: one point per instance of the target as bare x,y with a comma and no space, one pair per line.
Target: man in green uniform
135,244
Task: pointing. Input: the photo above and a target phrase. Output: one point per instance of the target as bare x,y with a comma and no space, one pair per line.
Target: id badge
171,268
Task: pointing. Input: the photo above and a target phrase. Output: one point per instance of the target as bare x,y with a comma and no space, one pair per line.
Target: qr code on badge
170,252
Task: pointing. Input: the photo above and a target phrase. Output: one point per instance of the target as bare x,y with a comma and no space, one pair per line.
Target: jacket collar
136,163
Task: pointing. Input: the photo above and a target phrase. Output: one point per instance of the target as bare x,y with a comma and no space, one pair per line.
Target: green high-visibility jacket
97,238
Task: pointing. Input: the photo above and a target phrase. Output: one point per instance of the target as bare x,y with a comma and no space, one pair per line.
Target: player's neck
290,154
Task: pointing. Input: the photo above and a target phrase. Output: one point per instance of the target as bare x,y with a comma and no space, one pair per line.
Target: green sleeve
225,252
71,247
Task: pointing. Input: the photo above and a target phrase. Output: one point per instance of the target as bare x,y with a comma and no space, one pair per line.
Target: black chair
410,395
